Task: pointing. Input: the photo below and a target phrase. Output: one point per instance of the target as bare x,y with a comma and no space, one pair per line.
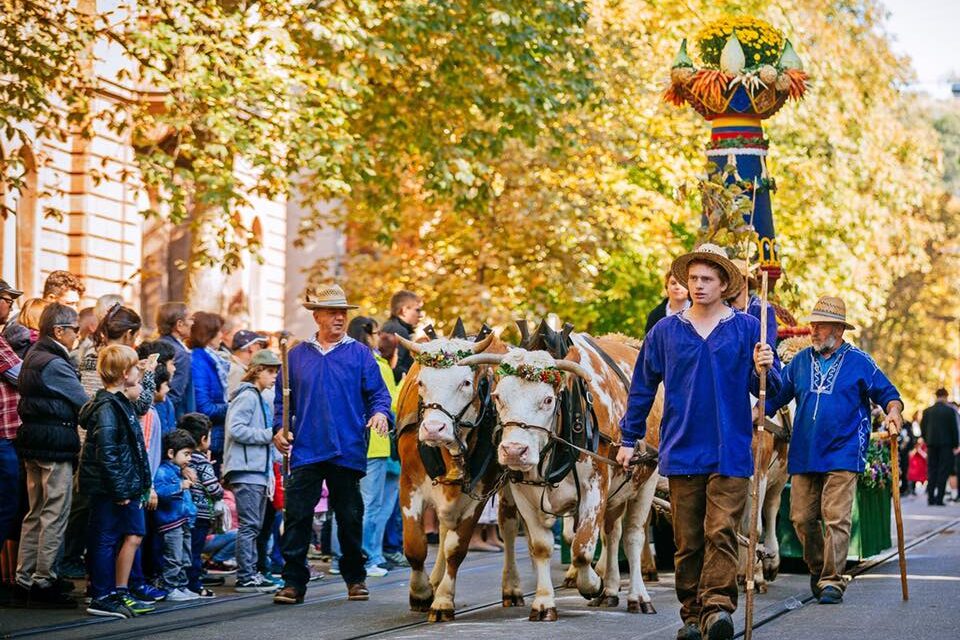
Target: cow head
526,398
447,389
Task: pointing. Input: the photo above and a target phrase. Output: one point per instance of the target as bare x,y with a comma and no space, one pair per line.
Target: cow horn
574,368
430,332
409,345
477,347
481,358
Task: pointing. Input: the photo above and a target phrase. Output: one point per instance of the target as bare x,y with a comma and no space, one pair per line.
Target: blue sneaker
831,595
270,578
134,605
148,593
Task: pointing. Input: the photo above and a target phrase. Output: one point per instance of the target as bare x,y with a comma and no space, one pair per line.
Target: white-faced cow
534,395
445,422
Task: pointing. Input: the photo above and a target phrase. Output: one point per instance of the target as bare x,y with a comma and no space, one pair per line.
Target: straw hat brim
681,266
313,306
816,317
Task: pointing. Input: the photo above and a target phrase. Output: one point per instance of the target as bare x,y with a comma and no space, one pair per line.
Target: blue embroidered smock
707,424
831,428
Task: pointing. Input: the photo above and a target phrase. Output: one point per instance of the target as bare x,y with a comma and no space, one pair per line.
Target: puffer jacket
248,433
113,463
174,504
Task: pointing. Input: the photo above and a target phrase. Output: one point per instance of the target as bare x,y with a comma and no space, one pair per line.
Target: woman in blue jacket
209,372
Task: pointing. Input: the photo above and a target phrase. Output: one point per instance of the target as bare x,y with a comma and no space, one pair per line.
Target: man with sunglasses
9,418
48,443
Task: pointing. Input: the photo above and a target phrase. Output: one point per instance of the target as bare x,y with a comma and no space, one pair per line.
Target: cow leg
440,564
771,505
509,524
758,578
634,542
453,548
540,543
592,500
570,577
647,562
415,549
608,567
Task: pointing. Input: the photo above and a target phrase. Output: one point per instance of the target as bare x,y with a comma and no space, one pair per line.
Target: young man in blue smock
833,384
709,359
336,395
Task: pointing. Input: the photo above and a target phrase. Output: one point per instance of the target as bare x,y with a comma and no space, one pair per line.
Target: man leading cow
710,359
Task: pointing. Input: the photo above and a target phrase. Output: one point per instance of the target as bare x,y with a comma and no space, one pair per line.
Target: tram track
157,626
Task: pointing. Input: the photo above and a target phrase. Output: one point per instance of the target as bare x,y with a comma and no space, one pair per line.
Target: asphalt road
872,607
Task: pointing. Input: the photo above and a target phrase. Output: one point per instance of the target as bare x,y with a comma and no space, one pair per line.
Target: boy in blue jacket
206,492
175,514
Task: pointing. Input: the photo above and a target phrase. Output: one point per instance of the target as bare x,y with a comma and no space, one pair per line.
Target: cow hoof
440,615
512,600
770,573
761,587
605,601
420,605
569,583
651,576
544,615
641,607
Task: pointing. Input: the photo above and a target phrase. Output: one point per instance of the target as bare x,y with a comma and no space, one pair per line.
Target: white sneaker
376,571
182,595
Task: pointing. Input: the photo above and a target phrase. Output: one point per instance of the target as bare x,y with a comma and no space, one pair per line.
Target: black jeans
302,495
939,464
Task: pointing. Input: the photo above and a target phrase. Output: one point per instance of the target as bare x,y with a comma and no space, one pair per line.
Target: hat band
829,314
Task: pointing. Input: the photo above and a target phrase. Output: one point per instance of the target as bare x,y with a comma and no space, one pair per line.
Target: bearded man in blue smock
709,358
336,396
833,384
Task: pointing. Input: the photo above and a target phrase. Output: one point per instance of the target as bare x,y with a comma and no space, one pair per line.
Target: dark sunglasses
74,327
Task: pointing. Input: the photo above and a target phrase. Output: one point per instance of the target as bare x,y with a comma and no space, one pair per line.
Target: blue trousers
378,499
109,524
198,538
9,487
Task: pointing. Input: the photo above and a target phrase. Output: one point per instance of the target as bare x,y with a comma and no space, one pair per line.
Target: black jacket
114,460
659,313
939,426
50,399
404,360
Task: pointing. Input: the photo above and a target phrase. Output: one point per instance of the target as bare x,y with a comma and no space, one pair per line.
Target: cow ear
544,330
485,330
430,332
458,330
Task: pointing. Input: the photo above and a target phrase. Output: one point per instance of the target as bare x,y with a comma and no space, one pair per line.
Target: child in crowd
161,403
175,514
248,464
115,475
206,491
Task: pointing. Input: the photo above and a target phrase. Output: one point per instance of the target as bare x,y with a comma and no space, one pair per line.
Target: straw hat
715,255
747,271
829,309
328,297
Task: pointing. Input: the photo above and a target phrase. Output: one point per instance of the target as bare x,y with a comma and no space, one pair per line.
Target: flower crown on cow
441,359
550,375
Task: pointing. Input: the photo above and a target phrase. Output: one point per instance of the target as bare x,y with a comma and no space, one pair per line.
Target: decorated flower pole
748,71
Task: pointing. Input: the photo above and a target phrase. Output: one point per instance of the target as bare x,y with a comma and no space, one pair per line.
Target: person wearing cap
709,359
833,384
336,395
9,418
245,344
248,462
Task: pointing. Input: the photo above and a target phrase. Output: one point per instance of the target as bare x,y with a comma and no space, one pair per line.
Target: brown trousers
706,514
826,497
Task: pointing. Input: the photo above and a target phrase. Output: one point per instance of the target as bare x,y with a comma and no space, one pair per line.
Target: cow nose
434,427
514,450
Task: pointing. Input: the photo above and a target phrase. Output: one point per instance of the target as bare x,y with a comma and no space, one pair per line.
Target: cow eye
548,401
466,384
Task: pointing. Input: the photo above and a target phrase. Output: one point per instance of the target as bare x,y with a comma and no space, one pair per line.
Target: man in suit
939,429
173,323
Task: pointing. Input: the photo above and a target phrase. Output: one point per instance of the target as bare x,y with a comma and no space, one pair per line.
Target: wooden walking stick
897,511
757,470
285,385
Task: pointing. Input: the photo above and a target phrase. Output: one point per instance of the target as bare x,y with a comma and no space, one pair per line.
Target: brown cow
527,400
438,406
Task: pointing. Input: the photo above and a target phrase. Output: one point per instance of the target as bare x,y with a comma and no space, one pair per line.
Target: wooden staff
285,385
758,470
897,513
